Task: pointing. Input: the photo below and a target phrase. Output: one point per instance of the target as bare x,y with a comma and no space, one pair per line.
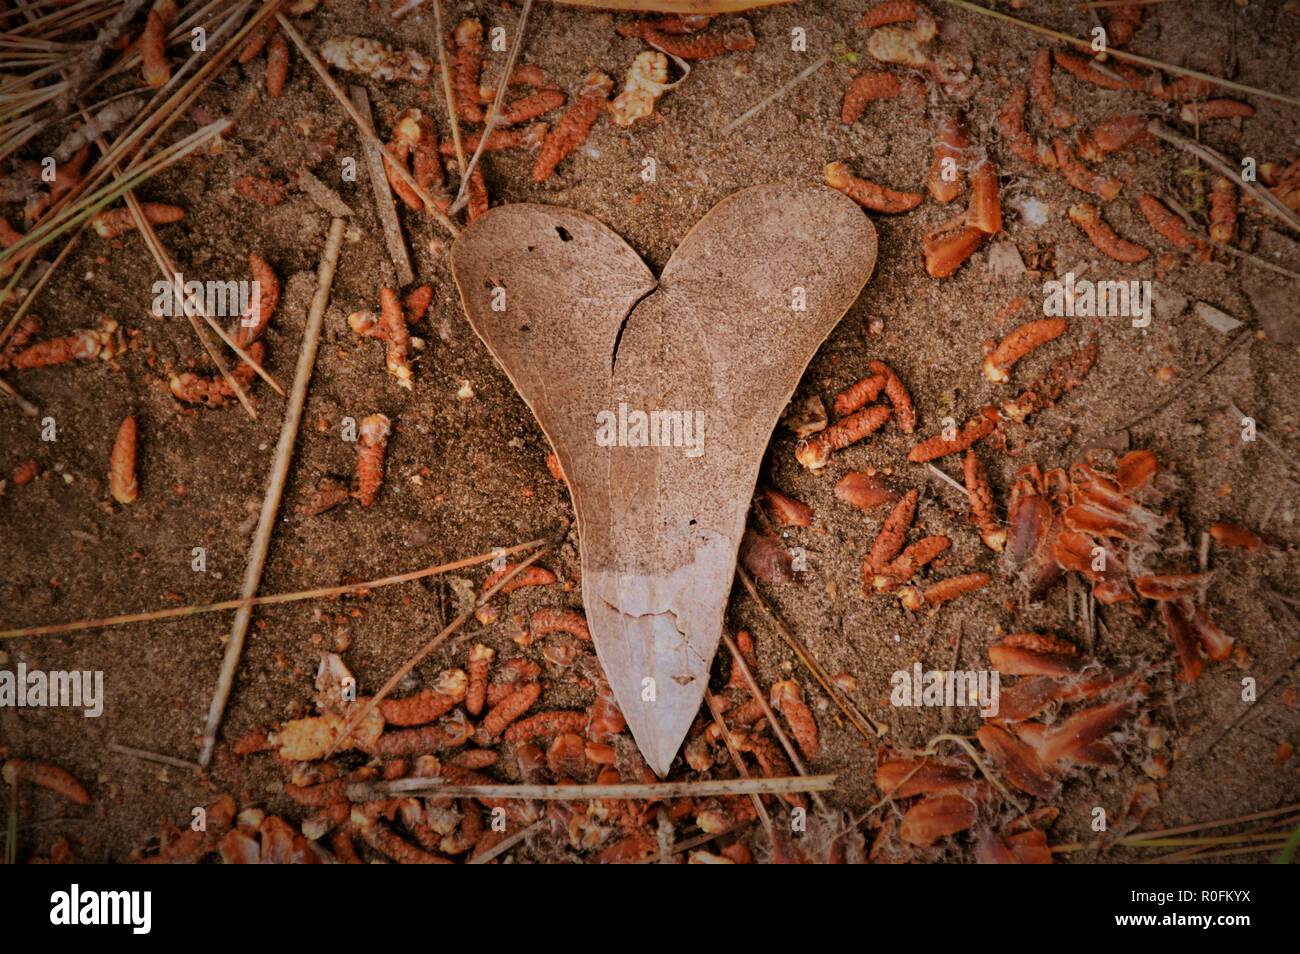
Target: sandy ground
465,476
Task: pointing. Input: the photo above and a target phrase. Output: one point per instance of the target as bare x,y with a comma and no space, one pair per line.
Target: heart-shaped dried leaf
659,398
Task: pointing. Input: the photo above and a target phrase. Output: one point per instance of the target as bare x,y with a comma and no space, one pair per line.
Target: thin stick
275,485
367,131
190,304
1271,203
1183,830
947,479
756,691
780,91
868,727
1241,338
387,209
964,744
438,640
325,592
1086,47
494,113
1226,853
506,844
1265,686
450,96
154,757
712,702
640,791
1286,459
26,406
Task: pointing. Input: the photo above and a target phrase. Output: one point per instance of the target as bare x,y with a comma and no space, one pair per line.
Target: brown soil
465,476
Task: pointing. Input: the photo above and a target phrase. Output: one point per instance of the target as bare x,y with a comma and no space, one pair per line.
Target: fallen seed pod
1103,237
449,732
46,776
909,563
215,391
530,139
23,332
982,506
943,591
1223,210
257,41
153,52
865,88
555,619
945,251
950,145
892,11
121,467
277,65
525,74
1017,762
1171,227
268,192
1170,586
433,703
359,54
940,445
815,452
899,400
507,711
478,195
101,342
1001,357
531,106
1216,643
1080,176
406,132
1011,128
787,699
1191,662
646,80
388,843
1194,113
985,212
480,665
1063,376
546,725
868,194
1082,67
889,541
1185,88
110,223
901,777
863,491
573,127
466,65
935,817
1040,87
251,323
426,162
1123,23
1135,470
786,511
529,576
372,445
858,395
1231,535
703,45
1035,654
1115,135
397,337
